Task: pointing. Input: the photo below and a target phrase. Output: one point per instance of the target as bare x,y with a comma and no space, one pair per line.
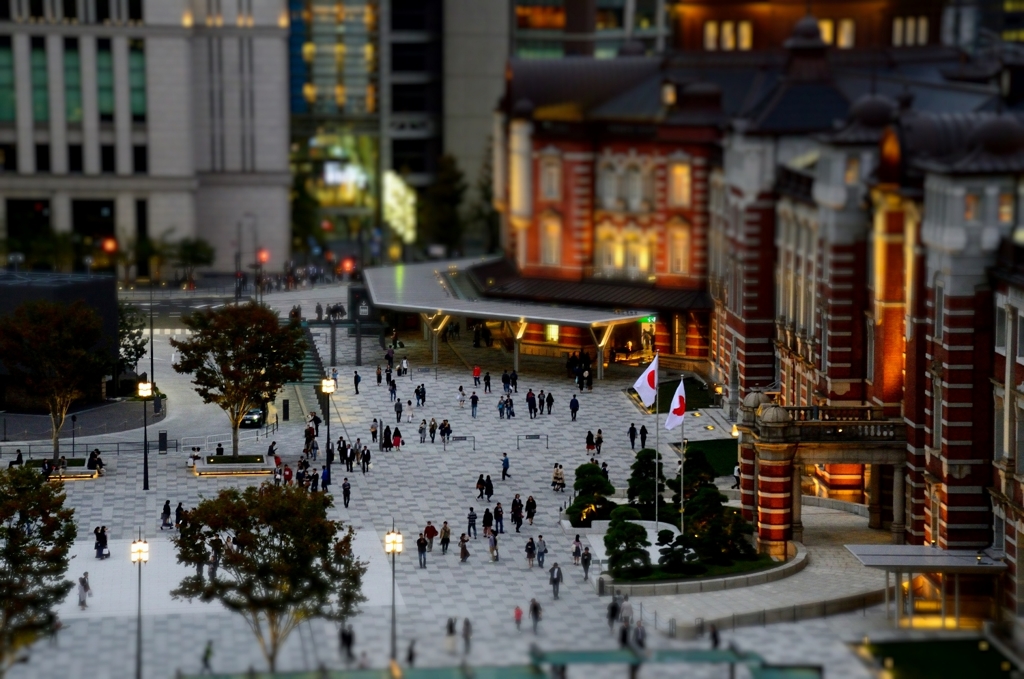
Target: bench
229,465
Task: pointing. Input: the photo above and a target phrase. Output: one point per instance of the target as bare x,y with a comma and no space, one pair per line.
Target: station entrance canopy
437,291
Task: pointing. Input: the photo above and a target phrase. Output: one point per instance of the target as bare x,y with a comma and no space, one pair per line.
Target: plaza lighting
145,392
327,387
393,546
139,555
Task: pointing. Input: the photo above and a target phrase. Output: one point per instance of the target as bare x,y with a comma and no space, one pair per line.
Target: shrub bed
235,459
73,462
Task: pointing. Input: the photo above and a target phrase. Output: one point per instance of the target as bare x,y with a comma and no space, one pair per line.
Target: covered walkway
438,291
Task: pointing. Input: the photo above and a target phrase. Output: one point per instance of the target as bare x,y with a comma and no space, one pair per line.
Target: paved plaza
421,483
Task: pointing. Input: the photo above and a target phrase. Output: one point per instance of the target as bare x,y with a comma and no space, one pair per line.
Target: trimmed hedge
235,459
38,464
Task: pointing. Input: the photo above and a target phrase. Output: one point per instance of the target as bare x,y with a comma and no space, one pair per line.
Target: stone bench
224,465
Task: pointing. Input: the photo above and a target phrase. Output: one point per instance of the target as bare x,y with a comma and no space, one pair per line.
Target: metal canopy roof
442,288
921,559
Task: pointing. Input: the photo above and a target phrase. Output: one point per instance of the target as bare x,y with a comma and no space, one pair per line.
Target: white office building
145,119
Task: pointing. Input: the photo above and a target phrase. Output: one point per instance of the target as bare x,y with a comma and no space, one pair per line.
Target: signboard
359,299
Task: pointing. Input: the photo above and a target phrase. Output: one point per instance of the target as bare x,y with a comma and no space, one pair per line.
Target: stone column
774,497
748,478
875,497
899,525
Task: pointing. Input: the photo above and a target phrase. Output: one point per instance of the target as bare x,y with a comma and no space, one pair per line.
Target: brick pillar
875,496
774,497
748,476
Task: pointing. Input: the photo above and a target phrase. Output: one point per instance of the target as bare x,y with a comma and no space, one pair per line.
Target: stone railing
836,414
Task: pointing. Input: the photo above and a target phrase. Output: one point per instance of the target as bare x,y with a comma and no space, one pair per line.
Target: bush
591,502
634,572
641,492
626,542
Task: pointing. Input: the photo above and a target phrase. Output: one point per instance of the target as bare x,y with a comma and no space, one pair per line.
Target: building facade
126,122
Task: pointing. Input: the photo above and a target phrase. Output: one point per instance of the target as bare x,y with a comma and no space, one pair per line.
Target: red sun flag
647,384
678,408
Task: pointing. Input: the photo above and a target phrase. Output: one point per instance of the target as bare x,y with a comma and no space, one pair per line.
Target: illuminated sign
400,206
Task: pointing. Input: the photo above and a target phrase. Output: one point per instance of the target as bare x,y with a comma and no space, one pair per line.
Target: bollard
284,409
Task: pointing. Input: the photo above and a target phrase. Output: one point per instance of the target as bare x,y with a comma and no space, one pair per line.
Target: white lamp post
327,387
393,546
140,555
145,391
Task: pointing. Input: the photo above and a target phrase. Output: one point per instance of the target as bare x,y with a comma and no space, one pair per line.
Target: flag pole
682,461
657,445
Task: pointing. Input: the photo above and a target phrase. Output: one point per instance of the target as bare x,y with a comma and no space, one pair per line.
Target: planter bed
233,465
76,469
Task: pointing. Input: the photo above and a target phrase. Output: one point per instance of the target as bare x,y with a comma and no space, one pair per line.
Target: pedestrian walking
542,550
585,560
84,591
346,636
488,487
179,513
643,435
589,443
325,478
480,485
380,375
555,578
736,476
366,459
535,613
505,462
531,552
471,523
356,379
446,537
517,615
714,637
599,441
432,429
346,491
499,518
463,547
574,407
450,642
577,550
632,436
423,431
467,634
421,550
396,439
501,408
373,430
165,516
476,376
624,634
487,522
461,398
531,511
626,610
430,533
613,613
640,635
398,411
410,655
550,402
474,402
487,383
492,545
207,657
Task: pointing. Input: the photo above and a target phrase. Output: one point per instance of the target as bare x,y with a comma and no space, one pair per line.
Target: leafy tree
280,560
239,358
36,534
592,490
55,352
439,218
305,214
192,253
626,542
677,555
641,492
717,533
131,341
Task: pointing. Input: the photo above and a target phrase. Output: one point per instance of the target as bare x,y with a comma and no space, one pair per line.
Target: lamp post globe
139,556
145,392
327,389
393,546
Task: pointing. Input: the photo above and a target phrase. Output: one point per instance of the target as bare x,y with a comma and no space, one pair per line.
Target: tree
130,339
36,534
592,491
626,542
677,555
192,253
641,491
279,560
239,358
305,214
716,532
439,217
56,353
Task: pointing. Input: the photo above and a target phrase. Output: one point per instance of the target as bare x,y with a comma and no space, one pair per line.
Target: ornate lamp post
393,546
145,392
140,555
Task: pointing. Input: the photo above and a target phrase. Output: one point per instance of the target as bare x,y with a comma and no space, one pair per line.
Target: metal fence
244,436
44,450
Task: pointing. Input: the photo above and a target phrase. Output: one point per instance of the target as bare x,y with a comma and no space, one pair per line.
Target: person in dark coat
488,487
643,436
387,440
632,435
487,522
550,402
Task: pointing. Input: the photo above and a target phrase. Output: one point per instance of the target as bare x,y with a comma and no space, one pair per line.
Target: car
253,418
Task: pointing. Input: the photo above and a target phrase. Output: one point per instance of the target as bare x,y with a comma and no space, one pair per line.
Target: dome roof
755,399
873,110
773,414
1002,135
805,34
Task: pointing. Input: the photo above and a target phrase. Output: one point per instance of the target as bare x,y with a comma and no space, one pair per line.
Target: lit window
745,37
971,207
922,30
551,242
847,34
852,170
668,94
551,179
634,189
1005,208
910,34
827,29
728,35
679,190
551,333
609,188
711,35
897,32
678,247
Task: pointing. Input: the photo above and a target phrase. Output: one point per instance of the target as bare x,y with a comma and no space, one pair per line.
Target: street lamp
327,387
140,555
145,392
88,260
393,546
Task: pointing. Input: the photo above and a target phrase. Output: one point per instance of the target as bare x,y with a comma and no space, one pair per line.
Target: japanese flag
647,385
677,410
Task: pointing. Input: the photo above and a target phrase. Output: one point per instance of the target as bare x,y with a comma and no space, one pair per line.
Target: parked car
253,418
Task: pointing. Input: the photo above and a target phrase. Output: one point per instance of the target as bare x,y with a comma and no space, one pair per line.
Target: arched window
679,248
679,185
638,254
551,179
634,188
608,251
608,187
551,241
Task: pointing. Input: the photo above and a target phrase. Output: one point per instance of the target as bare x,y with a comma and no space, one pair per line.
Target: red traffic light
348,265
263,255
109,245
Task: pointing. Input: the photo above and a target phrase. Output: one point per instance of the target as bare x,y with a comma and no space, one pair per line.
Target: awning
922,559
